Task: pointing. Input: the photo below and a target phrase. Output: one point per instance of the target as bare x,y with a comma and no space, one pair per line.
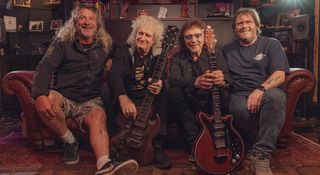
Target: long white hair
68,31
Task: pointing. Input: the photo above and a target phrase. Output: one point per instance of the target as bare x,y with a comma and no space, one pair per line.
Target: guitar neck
215,93
148,98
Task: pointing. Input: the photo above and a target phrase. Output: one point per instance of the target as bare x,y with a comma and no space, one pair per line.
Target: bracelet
261,88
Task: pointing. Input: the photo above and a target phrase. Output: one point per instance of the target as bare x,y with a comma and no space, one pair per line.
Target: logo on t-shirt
139,76
259,57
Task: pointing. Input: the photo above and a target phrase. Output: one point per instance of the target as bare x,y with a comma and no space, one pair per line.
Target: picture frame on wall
10,23
51,2
36,26
22,3
55,24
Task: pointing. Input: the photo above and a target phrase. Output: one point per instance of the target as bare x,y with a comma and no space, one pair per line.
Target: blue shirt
250,66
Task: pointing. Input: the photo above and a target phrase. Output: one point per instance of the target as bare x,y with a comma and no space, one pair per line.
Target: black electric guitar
135,138
219,148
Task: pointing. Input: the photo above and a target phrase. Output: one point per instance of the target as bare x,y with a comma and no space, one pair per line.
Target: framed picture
10,23
143,12
51,2
35,25
285,18
55,24
22,3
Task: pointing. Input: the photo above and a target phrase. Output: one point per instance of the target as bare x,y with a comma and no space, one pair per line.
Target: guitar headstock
169,37
210,39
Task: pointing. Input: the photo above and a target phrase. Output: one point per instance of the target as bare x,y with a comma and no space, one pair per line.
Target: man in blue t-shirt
257,65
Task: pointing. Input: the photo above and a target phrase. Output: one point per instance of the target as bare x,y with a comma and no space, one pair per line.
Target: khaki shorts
78,110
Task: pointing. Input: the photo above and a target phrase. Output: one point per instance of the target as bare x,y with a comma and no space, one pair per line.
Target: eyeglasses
189,37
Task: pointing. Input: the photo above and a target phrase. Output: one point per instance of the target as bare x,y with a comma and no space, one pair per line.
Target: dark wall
120,29
25,39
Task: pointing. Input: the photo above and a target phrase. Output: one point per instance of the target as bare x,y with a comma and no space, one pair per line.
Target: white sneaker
119,168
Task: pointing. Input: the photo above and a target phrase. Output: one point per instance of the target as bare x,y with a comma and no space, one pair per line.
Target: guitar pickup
219,134
218,125
220,144
134,142
140,124
137,135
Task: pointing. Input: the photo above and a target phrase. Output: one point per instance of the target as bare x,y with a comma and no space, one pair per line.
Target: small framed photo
35,25
10,23
55,24
51,2
143,12
22,3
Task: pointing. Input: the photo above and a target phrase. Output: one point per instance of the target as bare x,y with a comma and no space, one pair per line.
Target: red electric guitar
134,141
219,148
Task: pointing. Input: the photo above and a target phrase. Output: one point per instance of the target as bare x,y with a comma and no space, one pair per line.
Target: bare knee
55,98
96,118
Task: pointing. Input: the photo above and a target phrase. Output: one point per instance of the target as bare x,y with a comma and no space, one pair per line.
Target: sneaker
70,155
129,167
160,159
261,166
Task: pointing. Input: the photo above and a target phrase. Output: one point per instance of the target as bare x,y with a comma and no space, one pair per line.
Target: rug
17,155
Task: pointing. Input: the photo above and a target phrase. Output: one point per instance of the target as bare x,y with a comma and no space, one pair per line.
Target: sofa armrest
299,81
19,83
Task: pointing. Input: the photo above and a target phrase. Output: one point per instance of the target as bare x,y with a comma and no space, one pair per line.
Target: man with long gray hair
74,64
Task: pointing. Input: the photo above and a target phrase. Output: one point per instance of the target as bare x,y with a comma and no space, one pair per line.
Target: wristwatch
261,88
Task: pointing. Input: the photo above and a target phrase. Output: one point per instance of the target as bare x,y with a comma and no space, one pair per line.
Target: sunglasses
189,37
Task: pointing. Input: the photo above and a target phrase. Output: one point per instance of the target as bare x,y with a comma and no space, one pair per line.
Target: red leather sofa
19,83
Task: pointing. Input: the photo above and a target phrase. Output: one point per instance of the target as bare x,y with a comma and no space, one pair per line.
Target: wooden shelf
172,19
153,2
32,32
277,27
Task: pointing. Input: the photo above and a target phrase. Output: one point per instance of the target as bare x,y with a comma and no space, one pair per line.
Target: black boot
160,159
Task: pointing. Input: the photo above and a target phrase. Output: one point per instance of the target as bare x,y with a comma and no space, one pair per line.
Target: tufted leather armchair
19,83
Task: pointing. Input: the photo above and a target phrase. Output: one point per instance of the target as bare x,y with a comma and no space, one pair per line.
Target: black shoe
70,155
160,159
129,167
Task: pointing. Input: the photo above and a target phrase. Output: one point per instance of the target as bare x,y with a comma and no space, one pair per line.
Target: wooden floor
306,128
177,170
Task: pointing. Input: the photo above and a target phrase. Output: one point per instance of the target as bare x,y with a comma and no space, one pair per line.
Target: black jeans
185,107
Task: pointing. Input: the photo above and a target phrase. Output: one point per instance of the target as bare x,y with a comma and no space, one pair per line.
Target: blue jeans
266,124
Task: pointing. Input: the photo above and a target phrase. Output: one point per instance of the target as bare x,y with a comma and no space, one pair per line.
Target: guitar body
214,160
122,150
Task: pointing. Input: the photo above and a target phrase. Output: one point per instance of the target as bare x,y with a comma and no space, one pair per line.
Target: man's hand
127,106
45,107
254,101
156,87
210,79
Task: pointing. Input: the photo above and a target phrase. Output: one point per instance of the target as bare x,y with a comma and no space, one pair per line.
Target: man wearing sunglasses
191,79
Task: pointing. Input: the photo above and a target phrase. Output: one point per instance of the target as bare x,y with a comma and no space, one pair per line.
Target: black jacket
74,72
180,70
121,74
